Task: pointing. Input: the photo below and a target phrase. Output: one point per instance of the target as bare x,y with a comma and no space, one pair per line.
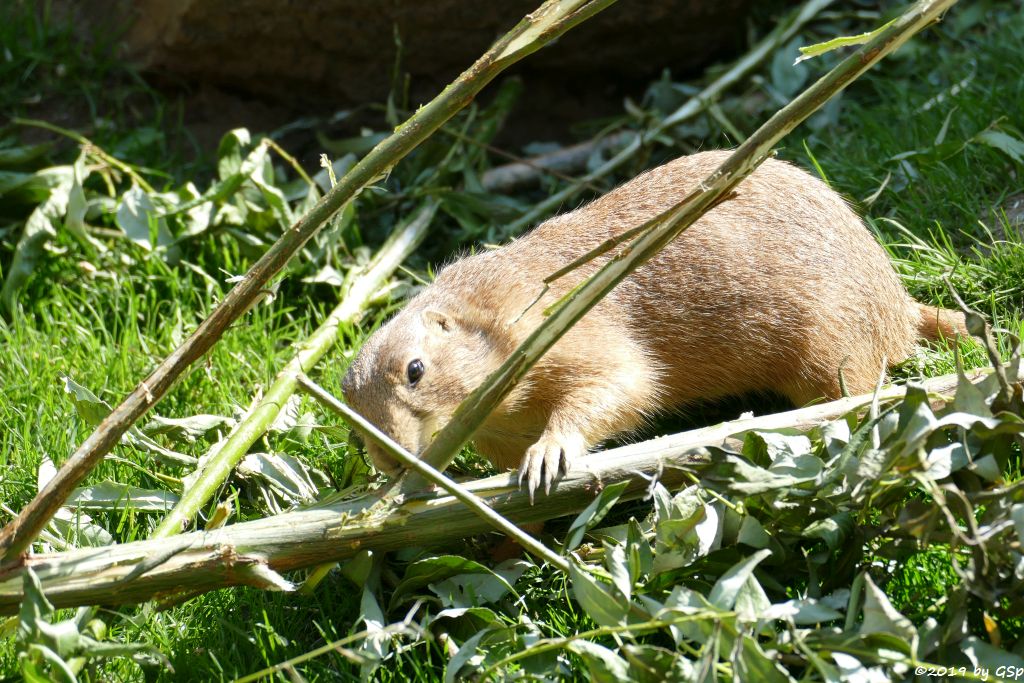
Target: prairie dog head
413,372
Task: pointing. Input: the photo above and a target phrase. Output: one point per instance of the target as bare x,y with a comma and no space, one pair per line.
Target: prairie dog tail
936,324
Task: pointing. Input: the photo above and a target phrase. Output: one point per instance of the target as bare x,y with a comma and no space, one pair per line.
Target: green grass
107,331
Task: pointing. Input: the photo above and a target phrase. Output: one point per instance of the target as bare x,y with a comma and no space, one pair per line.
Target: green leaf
33,673
802,611
40,228
422,573
751,601
482,614
916,420
74,220
88,406
475,588
262,177
603,665
652,664
881,617
1010,145
638,552
358,569
754,665
593,514
817,49
752,533
618,568
985,655
140,220
229,152
377,644
833,530
35,608
733,474
20,156
686,530
726,589
787,76
467,655
604,603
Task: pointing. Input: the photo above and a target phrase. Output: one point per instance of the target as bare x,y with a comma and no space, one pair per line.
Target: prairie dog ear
436,321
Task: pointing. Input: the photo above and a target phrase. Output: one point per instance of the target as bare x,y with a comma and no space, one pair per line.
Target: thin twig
91,147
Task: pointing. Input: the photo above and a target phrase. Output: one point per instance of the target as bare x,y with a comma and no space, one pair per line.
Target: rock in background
330,54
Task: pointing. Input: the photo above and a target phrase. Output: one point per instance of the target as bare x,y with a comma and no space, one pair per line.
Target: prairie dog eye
415,371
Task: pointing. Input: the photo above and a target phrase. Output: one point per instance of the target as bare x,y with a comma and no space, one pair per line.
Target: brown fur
772,290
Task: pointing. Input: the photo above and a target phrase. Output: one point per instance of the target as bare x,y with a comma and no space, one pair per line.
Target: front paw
550,457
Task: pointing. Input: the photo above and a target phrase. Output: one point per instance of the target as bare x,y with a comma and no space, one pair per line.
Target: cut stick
254,553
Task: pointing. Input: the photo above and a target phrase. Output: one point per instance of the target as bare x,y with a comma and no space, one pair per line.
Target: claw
549,459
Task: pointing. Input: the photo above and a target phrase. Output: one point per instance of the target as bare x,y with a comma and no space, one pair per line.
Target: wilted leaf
187,429
287,476
109,495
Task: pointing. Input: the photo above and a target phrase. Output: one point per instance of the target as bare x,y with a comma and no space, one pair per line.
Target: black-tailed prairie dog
773,290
